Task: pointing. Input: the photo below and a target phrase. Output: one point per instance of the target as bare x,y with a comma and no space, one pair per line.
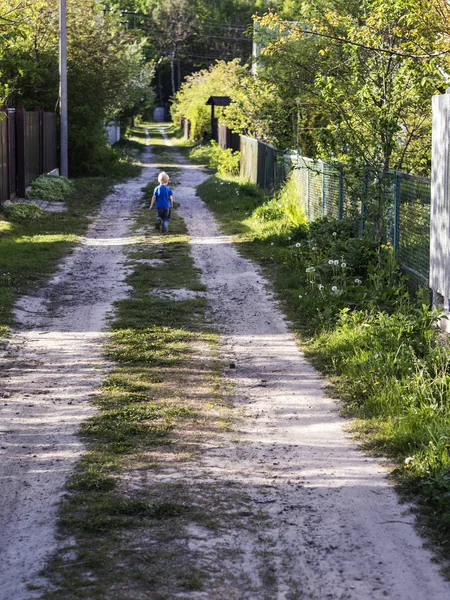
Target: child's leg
159,218
165,220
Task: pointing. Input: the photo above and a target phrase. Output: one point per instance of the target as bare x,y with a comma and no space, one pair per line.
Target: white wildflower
289,239
331,262
334,233
358,281
300,296
297,245
336,262
343,265
321,286
334,288
271,243
409,460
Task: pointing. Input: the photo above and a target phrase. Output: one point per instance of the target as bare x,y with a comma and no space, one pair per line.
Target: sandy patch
178,294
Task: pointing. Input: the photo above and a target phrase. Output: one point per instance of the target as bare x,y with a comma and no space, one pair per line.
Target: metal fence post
363,198
307,193
323,190
397,194
341,195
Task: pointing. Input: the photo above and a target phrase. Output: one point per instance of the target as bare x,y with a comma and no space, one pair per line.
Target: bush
23,212
51,187
226,162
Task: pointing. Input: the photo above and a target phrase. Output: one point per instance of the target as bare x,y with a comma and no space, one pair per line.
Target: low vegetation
224,161
32,241
380,345
51,187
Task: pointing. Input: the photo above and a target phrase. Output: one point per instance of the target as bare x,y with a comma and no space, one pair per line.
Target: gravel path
50,369
334,527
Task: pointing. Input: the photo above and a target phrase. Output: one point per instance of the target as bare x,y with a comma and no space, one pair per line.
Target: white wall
112,132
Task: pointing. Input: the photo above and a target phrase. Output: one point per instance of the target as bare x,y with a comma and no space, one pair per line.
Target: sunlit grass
5,226
46,239
31,249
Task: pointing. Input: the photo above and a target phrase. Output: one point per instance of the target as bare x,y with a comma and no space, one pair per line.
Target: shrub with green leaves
226,162
22,211
53,188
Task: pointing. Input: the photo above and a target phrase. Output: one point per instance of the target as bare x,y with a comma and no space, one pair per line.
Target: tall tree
359,78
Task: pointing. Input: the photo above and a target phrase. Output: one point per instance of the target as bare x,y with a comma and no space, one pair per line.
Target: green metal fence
340,191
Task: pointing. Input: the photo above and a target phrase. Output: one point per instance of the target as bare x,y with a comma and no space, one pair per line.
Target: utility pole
64,168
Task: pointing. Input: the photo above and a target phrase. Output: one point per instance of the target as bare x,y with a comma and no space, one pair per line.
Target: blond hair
163,178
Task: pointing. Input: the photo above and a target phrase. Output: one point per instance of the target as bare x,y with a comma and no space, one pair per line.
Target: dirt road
49,370
321,520
333,526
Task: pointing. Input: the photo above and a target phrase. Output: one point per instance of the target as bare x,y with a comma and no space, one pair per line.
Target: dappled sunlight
211,241
122,241
46,239
174,165
5,226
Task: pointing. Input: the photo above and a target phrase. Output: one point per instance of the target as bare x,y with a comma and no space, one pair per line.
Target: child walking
163,196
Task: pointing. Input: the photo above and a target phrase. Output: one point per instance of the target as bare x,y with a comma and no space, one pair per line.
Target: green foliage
226,162
108,74
51,187
221,79
22,211
281,213
362,87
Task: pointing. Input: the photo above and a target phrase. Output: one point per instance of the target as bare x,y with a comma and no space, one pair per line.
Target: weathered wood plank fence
28,148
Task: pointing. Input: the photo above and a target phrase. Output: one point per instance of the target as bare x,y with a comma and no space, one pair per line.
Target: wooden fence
28,148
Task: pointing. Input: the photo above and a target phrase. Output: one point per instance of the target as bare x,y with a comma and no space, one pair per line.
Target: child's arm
171,201
152,202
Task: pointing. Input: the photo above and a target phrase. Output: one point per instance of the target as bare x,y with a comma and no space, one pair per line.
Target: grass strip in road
360,326
127,505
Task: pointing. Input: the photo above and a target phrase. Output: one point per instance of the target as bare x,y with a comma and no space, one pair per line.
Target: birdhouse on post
212,102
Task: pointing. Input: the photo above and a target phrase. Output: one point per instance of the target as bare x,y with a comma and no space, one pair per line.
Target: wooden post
440,206
41,140
20,151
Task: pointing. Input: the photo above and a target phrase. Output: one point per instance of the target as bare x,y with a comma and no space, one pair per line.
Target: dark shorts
163,213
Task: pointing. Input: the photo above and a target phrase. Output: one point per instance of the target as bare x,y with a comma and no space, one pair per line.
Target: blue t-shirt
162,193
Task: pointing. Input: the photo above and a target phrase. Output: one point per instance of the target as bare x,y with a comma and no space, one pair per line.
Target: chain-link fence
398,207
340,191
